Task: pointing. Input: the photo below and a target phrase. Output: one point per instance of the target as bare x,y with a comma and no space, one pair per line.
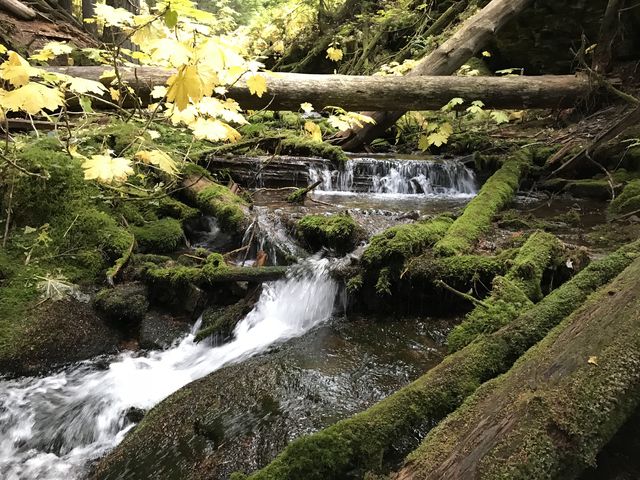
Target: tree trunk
474,34
18,9
556,408
357,443
286,91
609,31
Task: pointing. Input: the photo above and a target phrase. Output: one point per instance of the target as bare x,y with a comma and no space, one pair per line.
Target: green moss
397,244
160,236
228,208
383,285
512,294
558,409
125,303
61,187
356,443
339,232
495,194
307,147
628,201
222,321
354,285
298,196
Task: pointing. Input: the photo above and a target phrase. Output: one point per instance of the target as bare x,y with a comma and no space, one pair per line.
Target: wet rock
238,418
135,415
161,330
124,304
60,333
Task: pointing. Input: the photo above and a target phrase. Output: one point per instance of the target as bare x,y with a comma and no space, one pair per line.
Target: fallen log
230,210
513,293
204,276
286,91
472,37
19,9
361,442
477,216
556,408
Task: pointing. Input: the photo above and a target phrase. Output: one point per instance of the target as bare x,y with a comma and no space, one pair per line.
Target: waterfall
51,427
386,176
267,233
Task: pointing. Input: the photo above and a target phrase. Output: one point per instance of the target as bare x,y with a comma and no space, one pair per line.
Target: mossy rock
126,303
337,232
159,330
628,201
160,236
221,321
307,147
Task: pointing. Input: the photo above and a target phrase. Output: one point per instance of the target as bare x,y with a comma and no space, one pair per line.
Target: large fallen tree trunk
288,91
362,441
472,37
552,412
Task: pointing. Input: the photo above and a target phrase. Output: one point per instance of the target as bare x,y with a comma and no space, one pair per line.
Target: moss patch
125,303
512,294
628,201
337,232
160,236
228,208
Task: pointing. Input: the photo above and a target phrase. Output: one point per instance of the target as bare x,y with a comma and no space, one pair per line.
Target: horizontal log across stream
286,91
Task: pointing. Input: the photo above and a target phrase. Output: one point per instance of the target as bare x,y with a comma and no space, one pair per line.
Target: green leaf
452,104
85,104
171,18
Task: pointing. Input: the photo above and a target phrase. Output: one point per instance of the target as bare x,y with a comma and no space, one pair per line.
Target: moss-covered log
552,412
362,441
494,195
231,211
512,294
628,202
207,275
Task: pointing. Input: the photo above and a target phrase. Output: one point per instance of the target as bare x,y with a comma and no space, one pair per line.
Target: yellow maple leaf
214,130
339,122
115,94
107,169
52,50
83,85
3,49
185,85
32,98
257,85
16,70
314,131
306,107
160,159
278,47
334,54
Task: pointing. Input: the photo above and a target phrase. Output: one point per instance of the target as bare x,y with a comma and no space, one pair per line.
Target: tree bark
552,412
361,441
474,34
18,9
609,31
286,91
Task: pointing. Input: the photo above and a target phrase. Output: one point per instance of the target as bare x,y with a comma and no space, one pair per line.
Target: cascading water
51,427
385,176
268,233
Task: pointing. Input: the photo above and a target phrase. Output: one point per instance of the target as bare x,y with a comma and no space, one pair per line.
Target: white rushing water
405,177
51,427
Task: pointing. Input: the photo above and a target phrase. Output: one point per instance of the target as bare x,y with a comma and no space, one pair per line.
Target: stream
53,427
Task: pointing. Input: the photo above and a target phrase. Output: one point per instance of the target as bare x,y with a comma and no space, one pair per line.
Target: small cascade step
395,176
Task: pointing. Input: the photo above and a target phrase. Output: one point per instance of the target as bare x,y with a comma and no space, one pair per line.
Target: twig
473,300
6,227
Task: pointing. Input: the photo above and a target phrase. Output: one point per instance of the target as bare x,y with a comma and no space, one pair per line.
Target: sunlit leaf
160,159
313,130
107,169
32,98
306,107
214,130
257,85
184,86
334,54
